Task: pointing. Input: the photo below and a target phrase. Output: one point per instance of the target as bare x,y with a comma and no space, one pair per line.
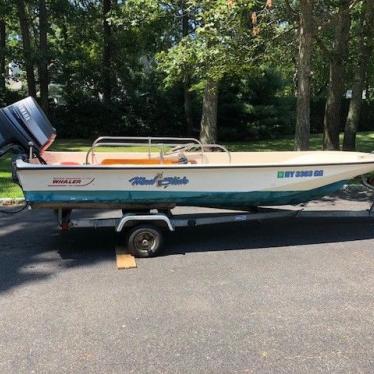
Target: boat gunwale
28,166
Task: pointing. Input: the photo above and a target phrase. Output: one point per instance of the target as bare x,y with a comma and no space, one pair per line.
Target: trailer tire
145,241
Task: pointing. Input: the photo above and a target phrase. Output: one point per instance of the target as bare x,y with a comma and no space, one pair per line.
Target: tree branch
353,3
291,10
333,18
323,47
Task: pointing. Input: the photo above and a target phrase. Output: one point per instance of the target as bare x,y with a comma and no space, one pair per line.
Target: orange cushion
70,163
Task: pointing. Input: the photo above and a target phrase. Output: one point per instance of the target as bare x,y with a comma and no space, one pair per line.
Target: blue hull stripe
228,199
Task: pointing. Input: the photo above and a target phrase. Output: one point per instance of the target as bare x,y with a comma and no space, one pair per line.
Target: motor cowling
24,125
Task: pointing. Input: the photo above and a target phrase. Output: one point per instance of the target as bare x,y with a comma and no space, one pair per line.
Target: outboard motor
25,129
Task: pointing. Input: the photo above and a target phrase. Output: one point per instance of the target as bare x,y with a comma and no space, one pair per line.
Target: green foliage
222,42
251,108
249,48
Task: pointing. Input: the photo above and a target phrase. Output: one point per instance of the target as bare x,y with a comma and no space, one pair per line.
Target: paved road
276,297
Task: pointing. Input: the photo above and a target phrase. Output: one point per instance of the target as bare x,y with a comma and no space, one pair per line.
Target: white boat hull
192,185
164,172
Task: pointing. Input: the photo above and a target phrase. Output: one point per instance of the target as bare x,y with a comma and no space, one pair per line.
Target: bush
249,108
148,115
252,109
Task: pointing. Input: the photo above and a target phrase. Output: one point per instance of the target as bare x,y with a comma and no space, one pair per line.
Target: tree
366,35
302,131
160,63
75,48
43,55
208,126
27,49
226,40
186,78
337,56
2,56
107,53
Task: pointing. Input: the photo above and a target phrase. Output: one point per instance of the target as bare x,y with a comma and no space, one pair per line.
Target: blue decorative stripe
224,199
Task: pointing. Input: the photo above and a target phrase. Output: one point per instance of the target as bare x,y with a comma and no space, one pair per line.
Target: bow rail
167,145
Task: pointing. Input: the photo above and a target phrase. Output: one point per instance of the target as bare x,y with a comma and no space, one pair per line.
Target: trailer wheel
144,240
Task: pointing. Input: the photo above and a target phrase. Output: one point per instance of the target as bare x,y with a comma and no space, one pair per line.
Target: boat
166,172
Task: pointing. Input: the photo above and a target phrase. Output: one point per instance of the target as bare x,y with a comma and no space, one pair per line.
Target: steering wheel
178,149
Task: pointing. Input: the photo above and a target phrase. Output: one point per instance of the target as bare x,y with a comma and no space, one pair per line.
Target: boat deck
208,158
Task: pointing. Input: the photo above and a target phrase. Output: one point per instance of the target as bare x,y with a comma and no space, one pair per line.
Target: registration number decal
300,174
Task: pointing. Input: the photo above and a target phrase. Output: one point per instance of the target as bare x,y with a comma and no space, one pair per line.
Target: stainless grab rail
147,141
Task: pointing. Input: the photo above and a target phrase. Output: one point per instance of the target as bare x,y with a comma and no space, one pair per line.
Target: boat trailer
145,230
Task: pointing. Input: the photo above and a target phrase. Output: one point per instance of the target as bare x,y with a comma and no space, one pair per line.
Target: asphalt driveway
278,297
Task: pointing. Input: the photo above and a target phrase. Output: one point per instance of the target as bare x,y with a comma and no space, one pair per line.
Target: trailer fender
154,218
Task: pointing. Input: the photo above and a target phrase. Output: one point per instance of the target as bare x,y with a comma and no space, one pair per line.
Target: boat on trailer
163,172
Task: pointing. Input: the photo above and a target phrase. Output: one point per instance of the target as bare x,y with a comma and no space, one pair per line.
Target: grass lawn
365,143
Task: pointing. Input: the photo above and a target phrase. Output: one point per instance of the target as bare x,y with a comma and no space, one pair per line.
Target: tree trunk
27,51
107,53
360,76
188,107
2,58
208,132
332,118
43,58
186,80
303,76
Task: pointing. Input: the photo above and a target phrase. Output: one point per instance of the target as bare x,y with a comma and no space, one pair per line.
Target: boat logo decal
159,181
299,173
70,182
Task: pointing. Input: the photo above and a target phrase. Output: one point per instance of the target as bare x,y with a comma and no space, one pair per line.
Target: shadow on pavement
32,249
265,235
